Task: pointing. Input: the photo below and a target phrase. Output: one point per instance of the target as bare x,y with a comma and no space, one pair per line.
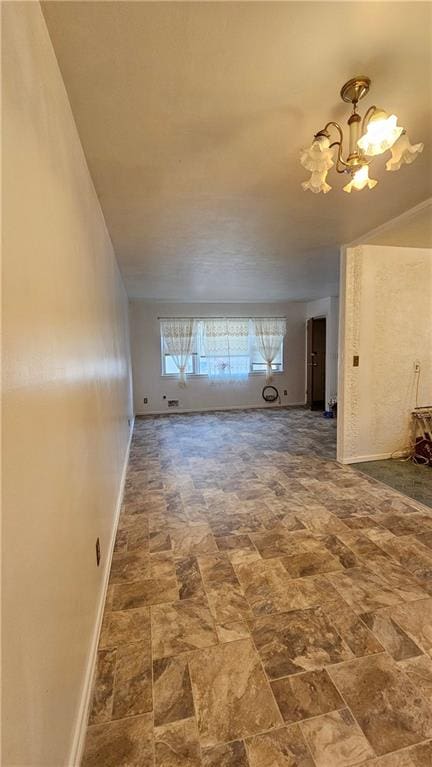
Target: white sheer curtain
269,334
226,347
179,340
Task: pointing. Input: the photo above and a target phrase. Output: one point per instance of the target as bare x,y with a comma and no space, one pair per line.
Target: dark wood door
316,358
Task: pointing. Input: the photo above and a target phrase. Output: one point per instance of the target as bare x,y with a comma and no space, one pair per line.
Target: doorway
316,363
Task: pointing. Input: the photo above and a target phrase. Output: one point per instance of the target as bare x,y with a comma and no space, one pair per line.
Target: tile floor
267,607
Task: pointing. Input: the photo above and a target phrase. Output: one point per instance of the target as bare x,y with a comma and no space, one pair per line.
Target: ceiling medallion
368,137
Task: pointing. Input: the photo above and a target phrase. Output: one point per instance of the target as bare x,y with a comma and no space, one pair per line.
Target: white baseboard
364,458
83,710
171,411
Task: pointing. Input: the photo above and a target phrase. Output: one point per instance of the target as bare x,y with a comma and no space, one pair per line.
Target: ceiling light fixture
373,135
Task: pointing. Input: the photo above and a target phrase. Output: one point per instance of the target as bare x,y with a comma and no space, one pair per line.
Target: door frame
321,316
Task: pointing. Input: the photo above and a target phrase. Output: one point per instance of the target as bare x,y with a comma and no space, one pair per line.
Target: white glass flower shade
403,151
318,157
317,183
359,180
381,133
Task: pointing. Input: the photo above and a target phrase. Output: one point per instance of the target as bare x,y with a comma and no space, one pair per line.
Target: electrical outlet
145,400
285,392
98,552
417,366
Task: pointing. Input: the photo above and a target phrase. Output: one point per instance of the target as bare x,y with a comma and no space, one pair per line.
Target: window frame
197,355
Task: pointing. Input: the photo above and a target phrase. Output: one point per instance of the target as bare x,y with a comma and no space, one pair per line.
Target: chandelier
373,135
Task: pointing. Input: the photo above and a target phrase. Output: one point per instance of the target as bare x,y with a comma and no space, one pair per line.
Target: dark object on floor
270,394
422,418
423,452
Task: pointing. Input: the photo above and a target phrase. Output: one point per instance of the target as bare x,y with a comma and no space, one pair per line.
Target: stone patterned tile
231,631
103,691
123,627
353,631
238,548
403,583
227,755
148,592
363,590
189,578
418,756
268,587
123,742
319,520
284,747
121,541
275,543
189,541
133,680
160,541
419,670
225,595
303,696
414,557
310,563
172,690
181,627
338,549
177,745
336,740
384,701
232,696
301,640
390,635
162,565
425,539
130,566
325,565
415,618
405,524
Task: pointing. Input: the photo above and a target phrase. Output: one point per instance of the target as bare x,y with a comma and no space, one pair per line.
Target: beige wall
386,310
66,400
200,394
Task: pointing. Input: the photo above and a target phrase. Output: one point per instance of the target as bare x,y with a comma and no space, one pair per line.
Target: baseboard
83,711
174,410
364,458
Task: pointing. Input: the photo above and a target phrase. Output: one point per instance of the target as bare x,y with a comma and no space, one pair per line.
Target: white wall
328,308
66,401
200,394
386,313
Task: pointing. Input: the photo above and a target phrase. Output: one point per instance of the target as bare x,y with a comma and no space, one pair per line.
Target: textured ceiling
411,231
192,116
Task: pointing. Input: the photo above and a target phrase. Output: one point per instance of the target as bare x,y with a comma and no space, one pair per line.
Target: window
223,345
258,364
170,368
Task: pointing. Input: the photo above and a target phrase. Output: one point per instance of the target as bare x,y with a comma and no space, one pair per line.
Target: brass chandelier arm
325,132
367,117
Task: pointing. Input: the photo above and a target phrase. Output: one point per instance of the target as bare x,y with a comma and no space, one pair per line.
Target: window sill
174,376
